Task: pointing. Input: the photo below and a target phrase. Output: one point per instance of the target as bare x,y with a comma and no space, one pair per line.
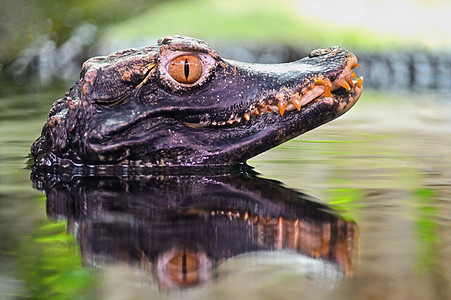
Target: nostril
320,52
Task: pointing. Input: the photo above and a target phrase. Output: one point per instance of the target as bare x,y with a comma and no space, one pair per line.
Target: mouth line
319,89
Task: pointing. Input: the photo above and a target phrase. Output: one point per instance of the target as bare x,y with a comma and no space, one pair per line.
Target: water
370,193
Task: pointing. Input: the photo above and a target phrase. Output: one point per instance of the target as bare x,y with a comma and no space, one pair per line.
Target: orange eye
185,68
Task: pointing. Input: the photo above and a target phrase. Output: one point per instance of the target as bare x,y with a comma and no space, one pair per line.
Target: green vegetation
426,229
51,266
24,21
346,201
254,21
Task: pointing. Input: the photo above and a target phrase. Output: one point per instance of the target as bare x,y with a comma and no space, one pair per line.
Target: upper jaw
327,87
338,85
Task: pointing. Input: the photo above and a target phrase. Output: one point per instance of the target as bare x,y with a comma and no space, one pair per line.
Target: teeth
320,87
281,103
321,81
327,85
327,92
282,106
296,100
344,84
359,82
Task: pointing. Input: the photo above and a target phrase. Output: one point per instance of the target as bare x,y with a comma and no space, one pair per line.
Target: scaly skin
129,108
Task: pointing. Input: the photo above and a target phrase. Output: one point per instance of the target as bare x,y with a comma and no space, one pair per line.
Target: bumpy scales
180,104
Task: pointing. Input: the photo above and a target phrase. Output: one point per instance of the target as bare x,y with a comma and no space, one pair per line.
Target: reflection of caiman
181,227
179,103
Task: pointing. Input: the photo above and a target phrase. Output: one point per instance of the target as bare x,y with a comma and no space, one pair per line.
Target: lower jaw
352,99
344,102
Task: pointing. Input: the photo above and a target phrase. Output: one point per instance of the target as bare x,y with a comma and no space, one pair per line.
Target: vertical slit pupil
186,69
184,270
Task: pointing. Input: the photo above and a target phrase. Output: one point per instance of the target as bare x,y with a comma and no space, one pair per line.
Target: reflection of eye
185,68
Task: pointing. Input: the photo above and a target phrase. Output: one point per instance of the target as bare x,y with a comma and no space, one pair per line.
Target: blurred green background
386,164
43,42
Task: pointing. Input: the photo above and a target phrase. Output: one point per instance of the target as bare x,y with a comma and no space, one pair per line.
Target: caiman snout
179,103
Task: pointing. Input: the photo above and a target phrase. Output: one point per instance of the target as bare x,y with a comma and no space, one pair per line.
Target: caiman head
180,104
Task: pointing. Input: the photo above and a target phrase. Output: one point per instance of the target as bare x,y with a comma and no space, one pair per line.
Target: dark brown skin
180,104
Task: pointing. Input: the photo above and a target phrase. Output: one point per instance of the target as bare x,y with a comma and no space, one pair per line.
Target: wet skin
180,104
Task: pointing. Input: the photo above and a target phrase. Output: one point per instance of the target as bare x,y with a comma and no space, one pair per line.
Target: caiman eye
185,69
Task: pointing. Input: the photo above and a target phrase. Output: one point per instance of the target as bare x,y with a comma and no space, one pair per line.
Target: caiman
179,103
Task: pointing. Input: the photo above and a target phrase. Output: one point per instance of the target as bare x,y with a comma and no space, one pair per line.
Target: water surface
384,169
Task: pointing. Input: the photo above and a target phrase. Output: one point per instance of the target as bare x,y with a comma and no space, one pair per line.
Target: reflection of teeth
287,232
310,239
